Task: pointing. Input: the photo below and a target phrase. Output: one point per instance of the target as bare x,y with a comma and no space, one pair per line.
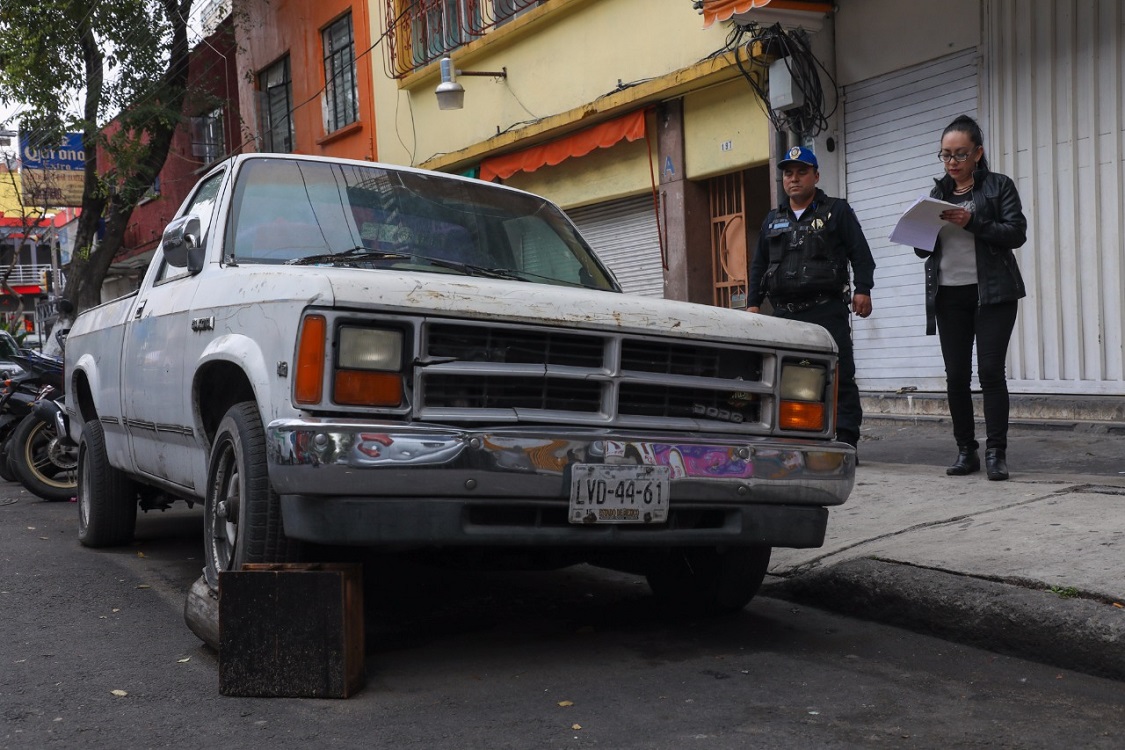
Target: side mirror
183,244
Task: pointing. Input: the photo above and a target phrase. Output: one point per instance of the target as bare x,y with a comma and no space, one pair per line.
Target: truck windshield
310,212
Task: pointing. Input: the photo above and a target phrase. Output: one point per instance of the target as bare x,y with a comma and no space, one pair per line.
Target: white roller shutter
1057,110
624,235
892,134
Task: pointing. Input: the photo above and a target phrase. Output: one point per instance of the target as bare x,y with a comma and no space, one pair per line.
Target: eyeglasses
946,158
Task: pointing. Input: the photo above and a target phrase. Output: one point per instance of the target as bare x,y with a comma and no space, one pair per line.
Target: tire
708,581
242,513
107,497
46,465
7,471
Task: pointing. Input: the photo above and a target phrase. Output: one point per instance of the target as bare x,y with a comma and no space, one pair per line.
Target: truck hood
502,300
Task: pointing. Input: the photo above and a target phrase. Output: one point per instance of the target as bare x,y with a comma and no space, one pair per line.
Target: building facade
306,84
210,131
627,113
673,204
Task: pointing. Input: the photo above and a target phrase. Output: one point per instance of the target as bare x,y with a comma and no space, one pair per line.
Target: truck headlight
370,349
802,392
369,367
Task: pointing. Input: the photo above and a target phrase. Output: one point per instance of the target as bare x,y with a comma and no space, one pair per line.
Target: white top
958,252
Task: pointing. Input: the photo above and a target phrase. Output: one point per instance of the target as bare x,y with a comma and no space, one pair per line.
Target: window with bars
421,31
341,95
276,91
442,26
207,141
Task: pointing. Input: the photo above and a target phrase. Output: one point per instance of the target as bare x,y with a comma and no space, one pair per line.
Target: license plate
601,493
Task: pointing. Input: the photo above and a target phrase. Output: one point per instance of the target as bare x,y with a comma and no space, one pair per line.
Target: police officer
801,264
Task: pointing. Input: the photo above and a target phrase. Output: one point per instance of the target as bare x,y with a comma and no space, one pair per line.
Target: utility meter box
784,95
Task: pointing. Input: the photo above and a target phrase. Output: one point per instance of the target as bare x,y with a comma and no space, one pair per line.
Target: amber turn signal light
309,385
365,388
801,415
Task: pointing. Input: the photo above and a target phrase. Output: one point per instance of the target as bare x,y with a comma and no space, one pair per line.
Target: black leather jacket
999,226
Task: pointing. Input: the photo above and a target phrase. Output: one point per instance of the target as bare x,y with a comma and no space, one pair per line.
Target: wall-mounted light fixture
450,94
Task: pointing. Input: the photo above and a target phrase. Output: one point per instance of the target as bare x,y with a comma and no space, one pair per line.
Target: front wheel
242,513
708,580
45,462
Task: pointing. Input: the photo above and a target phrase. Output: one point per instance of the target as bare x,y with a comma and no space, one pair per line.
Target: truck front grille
473,373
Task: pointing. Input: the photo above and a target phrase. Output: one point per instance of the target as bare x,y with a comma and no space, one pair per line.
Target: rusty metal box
291,630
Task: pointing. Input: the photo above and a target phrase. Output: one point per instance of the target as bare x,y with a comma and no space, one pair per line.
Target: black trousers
960,321
836,317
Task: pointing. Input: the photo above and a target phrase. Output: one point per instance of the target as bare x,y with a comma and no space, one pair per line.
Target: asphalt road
461,659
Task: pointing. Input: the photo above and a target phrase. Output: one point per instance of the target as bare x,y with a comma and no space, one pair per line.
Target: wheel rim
84,488
52,464
223,515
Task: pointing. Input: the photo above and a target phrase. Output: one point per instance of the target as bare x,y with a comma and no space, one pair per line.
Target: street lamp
450,94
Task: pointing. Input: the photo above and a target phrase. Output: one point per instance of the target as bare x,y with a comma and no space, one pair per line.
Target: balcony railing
27,275
421,31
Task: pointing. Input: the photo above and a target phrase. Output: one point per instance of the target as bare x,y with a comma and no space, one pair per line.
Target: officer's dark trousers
835,316
960,320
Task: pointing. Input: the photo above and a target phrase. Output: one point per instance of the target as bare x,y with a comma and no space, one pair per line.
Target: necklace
962,191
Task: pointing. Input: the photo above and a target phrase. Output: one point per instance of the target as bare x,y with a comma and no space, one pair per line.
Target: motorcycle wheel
46,464
7,471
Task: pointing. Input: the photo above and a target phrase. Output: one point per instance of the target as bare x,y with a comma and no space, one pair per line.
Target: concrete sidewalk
1033,567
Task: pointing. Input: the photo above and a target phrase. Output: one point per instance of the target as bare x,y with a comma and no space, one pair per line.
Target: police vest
804,262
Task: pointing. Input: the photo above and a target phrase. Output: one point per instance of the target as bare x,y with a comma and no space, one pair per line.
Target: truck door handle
140,309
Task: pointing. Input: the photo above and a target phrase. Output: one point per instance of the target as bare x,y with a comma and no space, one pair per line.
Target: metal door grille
729,259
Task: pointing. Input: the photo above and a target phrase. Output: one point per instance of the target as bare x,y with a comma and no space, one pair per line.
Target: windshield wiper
346,256
471,270
363,253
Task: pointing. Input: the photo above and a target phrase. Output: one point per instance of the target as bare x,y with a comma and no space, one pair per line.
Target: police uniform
801,265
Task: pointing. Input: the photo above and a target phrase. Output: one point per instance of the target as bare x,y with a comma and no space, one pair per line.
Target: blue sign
70,155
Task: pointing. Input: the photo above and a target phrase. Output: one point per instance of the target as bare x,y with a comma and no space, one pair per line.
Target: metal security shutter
892,133
624,235
1057,106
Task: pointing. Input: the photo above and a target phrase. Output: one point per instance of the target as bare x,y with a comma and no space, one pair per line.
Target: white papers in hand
920,224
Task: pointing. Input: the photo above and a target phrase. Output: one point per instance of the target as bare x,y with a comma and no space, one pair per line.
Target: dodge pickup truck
346,353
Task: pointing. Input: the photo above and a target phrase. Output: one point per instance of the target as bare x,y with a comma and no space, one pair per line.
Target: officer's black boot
968,461
996,464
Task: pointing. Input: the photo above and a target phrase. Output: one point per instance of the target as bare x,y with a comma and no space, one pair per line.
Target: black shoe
996,464
968,461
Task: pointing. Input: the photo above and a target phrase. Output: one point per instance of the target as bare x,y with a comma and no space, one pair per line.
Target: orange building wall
267,30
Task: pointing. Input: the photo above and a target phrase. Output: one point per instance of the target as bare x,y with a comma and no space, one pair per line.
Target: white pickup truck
348,353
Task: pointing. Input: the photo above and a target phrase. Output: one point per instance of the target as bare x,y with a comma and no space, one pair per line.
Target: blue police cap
799,155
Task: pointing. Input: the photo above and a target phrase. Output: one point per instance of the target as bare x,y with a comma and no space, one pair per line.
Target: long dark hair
968,126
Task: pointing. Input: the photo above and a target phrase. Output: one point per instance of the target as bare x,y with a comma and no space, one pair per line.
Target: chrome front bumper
363,483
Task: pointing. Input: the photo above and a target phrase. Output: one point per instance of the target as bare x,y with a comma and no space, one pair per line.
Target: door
157,402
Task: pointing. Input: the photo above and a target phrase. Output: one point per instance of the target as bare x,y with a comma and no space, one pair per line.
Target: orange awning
631,127
723,10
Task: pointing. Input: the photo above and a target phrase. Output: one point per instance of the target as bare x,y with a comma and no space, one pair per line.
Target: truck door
155,395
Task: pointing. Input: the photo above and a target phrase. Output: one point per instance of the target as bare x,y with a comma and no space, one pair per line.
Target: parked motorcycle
40,453
17,395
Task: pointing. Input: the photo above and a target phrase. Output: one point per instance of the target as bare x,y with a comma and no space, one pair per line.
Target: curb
1076,634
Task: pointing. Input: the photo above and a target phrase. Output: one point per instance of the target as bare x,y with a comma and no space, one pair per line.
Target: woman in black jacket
972,288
